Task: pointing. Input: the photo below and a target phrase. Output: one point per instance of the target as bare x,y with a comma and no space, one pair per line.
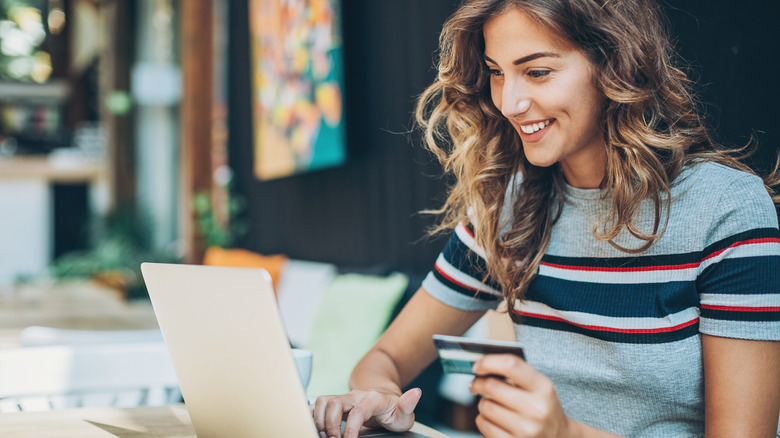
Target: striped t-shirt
618,334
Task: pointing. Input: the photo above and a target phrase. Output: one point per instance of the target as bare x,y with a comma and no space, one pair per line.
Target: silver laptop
230,352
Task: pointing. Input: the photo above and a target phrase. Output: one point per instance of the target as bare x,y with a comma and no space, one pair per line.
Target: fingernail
323,435
474,367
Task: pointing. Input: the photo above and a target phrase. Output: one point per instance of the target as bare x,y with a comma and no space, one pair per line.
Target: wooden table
159,422
70,305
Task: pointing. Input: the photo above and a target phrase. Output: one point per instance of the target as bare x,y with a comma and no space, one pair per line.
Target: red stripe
609,329
444,274
467,230
745,242
741,308
634,269
662,267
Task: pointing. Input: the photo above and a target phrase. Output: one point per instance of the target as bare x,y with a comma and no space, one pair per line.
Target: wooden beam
115,64
196,117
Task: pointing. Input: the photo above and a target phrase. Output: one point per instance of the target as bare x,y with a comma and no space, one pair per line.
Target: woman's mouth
531,128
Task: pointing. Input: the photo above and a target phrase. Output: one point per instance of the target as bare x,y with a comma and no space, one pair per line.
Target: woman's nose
514,102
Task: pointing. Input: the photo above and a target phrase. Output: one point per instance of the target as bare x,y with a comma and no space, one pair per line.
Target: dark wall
365,213
732,47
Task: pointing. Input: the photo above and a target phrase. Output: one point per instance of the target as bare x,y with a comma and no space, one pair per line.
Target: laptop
231,354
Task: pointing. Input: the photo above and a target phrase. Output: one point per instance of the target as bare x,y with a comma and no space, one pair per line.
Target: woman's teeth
533,127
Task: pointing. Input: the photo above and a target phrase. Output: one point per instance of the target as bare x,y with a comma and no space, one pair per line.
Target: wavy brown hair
652,130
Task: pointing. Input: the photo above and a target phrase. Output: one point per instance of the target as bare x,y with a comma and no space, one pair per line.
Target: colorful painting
297,76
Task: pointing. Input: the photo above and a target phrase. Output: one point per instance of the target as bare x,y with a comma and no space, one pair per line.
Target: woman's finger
505,405
510,367
357,417
488,429
515,420
334,412
367,409
408,401
318,412
502,391
402,416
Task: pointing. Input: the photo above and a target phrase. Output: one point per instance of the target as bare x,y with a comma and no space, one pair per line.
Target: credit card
458,354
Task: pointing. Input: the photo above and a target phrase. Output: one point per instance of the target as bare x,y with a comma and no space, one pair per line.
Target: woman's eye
538,73
494,72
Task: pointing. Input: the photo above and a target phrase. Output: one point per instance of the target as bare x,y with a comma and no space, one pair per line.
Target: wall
732,48
364,213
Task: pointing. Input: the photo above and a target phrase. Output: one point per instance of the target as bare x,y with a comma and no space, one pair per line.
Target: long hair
652,130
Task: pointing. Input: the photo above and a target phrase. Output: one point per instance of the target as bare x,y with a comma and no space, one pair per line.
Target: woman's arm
741,387
400,354
406,348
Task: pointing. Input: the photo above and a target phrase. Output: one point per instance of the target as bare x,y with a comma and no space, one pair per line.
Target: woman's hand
517,400
370,408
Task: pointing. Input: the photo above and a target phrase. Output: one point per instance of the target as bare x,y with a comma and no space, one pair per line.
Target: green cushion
354,311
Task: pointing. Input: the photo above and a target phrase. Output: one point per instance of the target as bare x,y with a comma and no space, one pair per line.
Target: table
70,305
160,422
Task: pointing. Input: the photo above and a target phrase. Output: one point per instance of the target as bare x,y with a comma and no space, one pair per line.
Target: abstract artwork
297,86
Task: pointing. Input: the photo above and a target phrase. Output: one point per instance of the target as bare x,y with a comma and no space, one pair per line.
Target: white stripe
463,278
747,250
610,277
581,318
658,276
460,355
468,240
748,300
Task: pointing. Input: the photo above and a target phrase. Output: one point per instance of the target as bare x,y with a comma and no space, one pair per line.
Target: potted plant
114,259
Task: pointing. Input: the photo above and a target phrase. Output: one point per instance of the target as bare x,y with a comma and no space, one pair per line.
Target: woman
639,262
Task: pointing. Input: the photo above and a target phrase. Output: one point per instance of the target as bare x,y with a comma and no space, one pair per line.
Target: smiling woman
639,260
545,89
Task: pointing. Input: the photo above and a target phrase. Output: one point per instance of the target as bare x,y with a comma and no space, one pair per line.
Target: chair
94,375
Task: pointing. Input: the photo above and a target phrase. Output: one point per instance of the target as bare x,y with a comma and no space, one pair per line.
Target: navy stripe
661,260
460,256
758,233
485,296
652,300
609,336
736,315
625,262
745,275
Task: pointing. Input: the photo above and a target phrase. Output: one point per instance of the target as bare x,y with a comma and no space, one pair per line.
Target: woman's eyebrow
528,58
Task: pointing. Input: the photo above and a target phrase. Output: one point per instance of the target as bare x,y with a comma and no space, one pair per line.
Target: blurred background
129,132
126,126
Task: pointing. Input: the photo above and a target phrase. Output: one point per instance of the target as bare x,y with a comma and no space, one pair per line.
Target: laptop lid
229,350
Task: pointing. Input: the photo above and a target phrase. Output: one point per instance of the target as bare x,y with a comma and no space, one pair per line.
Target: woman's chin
541,161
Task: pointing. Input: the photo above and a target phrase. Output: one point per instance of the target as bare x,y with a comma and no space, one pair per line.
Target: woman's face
544,87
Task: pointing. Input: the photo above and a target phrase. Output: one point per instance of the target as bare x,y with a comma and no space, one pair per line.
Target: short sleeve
458,278
739,276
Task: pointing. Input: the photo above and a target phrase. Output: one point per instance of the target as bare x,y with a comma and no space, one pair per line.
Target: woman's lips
530,128
531,132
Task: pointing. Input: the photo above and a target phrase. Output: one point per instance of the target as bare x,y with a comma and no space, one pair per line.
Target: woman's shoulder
711,180
715,173
724,195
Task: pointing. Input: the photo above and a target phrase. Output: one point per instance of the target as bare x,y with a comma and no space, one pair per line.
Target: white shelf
66,169
54,90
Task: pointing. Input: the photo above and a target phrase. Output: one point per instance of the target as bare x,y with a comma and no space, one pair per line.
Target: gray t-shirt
619,334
